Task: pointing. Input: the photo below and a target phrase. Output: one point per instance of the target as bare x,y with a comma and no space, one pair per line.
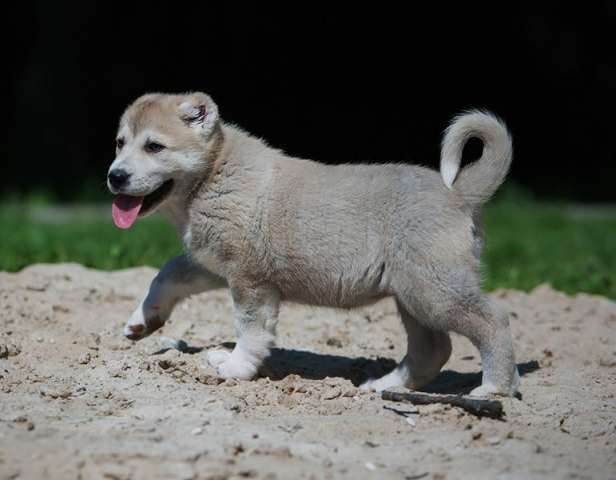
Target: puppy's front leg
178,279
256,313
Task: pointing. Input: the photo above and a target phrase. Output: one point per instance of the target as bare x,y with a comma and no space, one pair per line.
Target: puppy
271,228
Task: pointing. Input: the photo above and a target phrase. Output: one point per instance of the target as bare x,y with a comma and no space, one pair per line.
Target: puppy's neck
214,157
214,152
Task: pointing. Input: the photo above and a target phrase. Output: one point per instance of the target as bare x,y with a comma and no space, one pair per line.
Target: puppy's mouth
126,208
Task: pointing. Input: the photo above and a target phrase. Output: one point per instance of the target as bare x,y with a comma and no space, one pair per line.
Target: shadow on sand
317,366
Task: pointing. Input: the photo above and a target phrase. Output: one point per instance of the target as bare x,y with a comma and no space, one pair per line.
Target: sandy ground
77,400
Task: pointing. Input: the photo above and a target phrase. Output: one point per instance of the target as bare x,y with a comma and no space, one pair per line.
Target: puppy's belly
340,291
323,299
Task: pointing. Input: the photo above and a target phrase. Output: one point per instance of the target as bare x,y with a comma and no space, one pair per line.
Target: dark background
337,84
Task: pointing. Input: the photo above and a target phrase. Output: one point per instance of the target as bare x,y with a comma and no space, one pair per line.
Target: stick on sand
476,406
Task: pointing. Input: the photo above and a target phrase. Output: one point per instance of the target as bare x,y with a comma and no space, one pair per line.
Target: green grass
529,242
30,235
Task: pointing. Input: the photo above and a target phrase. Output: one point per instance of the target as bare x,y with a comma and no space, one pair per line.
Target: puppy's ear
200,112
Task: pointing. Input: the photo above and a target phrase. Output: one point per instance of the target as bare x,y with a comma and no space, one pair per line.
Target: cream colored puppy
271,228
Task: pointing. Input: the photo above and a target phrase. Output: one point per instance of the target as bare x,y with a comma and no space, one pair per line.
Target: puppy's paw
216,357
141,325
392,380
367,385
231,365
487,390
136,327
237,368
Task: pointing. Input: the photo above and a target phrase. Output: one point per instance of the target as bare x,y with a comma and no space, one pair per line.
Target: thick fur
274,228
478,181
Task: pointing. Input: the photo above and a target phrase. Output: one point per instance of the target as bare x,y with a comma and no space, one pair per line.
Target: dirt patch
77,400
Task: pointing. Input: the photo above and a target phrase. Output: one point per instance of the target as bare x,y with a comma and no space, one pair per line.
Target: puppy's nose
118,177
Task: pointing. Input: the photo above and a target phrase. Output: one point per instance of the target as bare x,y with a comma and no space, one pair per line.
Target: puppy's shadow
317,366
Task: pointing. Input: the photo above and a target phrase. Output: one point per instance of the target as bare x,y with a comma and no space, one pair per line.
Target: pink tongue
125,210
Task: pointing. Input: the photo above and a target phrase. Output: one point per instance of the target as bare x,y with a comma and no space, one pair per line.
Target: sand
77,400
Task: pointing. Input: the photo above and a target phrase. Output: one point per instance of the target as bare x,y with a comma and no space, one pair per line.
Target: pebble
55,393
196,431
331,393
493,440
84,358
411,421
9,350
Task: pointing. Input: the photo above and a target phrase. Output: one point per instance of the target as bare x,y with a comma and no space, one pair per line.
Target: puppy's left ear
200,112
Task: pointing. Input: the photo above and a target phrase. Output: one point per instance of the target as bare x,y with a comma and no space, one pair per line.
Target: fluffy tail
477,182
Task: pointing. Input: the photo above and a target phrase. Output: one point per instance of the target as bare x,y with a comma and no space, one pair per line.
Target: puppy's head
164,144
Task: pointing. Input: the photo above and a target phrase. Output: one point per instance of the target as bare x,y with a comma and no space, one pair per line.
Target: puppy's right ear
200,112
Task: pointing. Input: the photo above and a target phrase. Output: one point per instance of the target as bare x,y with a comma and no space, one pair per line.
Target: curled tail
477,182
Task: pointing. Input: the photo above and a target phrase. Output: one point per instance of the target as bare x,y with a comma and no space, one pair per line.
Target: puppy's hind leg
453,301
178,279
427,351
488,329
256,312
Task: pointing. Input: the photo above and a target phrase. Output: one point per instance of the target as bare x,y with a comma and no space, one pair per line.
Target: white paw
135,327
216,357
393,379
367,385
485,390
140,326
232,365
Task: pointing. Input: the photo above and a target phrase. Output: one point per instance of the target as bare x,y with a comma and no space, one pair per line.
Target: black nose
118,177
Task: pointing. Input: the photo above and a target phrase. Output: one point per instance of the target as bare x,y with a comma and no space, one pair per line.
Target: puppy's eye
153,147
119,143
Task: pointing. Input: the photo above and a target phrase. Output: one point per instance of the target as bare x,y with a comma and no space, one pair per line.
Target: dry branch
476,406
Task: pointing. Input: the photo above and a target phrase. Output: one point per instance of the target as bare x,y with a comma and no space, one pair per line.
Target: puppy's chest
207,251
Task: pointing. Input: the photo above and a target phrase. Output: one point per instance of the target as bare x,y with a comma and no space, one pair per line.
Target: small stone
331,393
55,393
607,362
370,466
493,440
410,421
84,358
209,379
196,431
334,342
350,392
37,285
9,350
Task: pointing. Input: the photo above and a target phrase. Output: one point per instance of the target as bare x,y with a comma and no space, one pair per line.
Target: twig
476,406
